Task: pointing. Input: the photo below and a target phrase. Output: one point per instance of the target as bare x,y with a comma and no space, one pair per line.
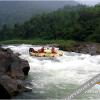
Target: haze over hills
18,11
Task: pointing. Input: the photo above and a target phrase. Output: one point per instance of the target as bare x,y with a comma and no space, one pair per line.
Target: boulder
13,71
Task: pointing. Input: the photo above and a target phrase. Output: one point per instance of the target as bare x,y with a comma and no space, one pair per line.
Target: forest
78,23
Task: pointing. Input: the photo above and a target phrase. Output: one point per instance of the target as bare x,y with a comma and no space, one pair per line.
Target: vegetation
77,23
63,44
13,11
68,43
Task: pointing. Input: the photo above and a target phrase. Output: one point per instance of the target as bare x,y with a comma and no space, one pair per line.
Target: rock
4,93
28,86
9,51
9,84
12,74
26,67
83,47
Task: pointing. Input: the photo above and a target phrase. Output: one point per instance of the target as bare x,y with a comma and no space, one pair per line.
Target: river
54,78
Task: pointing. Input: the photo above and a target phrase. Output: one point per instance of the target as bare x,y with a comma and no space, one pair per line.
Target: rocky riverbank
13,71
82,47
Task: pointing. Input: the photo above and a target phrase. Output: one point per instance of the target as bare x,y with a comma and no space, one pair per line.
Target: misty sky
90,2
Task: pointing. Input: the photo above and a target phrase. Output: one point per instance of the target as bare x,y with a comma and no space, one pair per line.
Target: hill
18,11
79,23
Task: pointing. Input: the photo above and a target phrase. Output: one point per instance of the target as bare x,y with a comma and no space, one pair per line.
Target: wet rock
12,73
26,67
28,86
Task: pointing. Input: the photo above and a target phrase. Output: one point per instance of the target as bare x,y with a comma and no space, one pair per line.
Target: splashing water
59,76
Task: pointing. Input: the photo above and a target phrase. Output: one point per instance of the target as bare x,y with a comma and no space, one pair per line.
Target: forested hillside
79,23
19,11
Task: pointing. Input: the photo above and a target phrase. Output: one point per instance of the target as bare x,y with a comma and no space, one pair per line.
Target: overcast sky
91,2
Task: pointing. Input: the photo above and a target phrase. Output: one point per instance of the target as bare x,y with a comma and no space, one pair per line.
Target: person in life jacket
31,50
41,50
53,50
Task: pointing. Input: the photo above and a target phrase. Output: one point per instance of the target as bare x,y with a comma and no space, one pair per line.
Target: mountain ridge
20,11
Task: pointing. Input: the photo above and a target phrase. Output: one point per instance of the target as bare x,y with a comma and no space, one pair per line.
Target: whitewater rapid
59,76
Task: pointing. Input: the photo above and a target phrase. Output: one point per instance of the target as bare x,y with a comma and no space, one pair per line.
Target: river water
55,78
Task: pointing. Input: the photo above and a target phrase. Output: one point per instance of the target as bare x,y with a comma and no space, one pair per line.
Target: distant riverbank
66,45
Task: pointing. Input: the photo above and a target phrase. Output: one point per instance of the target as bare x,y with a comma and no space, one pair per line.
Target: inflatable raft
98,83
45,53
